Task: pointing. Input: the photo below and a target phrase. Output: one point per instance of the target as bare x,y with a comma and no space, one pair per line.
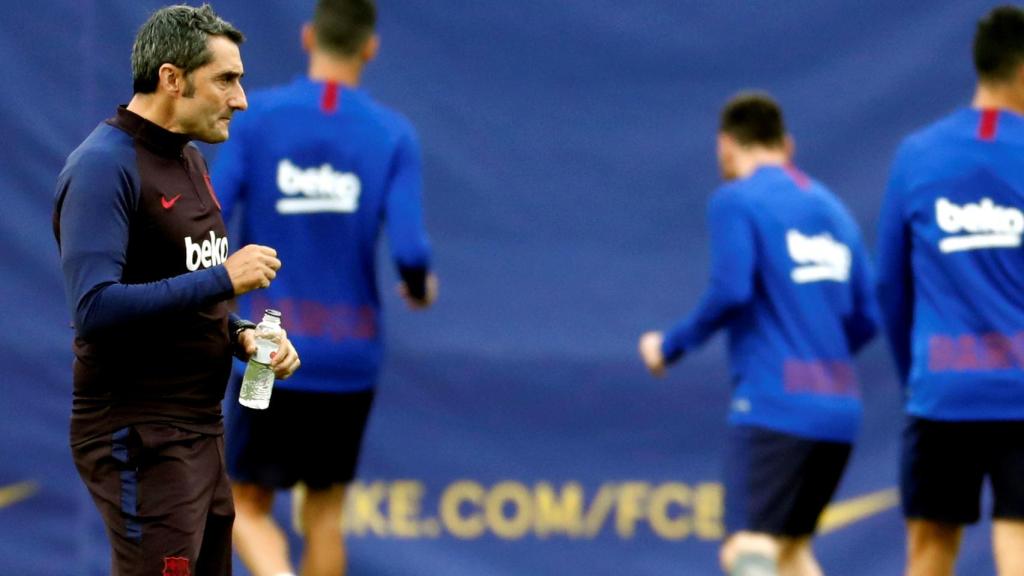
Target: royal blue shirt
792,285
316,171
951,268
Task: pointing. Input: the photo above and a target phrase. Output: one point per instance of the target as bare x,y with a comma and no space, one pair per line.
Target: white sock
753,564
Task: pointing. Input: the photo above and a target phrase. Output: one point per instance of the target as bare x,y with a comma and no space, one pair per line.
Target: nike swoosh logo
14,493
842,514
168,203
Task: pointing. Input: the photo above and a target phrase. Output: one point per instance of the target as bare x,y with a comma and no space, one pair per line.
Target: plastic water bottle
258,381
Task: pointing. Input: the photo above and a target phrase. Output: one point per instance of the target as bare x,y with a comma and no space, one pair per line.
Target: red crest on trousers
176,566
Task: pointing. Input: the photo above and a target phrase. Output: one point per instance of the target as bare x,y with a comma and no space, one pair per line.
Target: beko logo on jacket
982,225
211,251
319,189
818,258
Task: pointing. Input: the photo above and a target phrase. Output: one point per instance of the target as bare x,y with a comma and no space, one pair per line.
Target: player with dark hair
790,282
147,272
951,286
316,168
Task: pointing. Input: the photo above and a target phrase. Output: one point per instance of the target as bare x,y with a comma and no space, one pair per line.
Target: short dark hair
176,35
343,26
999,43
754,118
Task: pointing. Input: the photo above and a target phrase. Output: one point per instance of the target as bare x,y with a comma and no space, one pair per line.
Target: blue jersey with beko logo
317,171
951,278
791,283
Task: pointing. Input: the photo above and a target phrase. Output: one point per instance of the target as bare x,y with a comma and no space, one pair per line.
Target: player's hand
428,297
245,345
252,267
649,347
285,361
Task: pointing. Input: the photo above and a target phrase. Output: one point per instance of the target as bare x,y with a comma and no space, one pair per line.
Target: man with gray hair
147,272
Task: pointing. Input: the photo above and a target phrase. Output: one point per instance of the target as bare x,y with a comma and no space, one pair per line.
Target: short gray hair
176,35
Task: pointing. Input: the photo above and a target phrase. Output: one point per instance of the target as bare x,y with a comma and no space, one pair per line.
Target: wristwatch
238,326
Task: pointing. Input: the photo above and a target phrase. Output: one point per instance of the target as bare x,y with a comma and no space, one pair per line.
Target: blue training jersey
315,171
951,268
791,283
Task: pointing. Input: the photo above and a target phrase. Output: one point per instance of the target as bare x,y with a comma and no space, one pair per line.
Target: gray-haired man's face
213,93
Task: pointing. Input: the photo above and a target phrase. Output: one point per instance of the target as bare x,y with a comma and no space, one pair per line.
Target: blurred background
568,155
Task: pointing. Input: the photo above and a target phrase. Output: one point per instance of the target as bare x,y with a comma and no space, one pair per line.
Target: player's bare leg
1008,546
796,558
932,547
324,550
260,542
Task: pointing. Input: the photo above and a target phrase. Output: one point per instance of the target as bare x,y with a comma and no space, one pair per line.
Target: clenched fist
252,267
428,297
649,347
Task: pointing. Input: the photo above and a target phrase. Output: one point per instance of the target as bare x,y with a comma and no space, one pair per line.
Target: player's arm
96,199
730,287
862,323
407,234
895,280
229,178
230,168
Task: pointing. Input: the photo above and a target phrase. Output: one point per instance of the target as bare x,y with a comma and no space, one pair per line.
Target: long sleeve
895,280
228,173
862,323
732,275
407,235
97,197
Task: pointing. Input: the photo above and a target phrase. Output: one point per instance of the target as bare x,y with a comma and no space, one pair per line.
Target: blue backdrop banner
568,153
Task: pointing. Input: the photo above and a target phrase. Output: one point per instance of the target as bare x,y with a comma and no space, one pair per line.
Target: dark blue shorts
307,437
945,463
777,483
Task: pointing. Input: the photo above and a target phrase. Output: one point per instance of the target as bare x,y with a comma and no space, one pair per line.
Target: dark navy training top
317,171
142,245
791,284
951,267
